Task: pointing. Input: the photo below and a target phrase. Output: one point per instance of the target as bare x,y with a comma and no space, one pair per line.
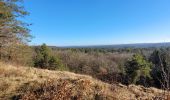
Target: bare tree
165,74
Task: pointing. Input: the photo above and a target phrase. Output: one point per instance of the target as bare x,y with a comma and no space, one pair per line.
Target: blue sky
97,22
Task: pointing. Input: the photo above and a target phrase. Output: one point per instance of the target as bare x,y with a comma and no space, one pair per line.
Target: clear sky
95,22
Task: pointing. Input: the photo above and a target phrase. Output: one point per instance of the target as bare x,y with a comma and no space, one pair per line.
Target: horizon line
102,44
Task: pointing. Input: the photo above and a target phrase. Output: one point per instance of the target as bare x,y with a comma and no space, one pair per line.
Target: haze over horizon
98,22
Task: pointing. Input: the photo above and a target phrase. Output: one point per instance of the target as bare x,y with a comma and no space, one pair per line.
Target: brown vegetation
31,84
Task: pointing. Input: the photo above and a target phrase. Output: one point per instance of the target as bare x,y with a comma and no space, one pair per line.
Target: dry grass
27,83
31,83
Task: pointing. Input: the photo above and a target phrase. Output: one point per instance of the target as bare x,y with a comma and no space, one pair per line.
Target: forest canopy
143,66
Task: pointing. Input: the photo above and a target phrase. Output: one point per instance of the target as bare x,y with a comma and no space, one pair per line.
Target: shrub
44,59
137,68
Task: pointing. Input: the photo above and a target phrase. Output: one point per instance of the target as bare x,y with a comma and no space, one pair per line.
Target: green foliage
45,52
12,30
42,56
45,59
56,64
137,67
14,33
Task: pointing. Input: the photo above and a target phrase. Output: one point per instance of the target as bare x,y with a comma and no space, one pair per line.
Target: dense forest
142,66
149,67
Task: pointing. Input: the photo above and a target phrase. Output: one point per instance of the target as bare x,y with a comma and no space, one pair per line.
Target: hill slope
17,82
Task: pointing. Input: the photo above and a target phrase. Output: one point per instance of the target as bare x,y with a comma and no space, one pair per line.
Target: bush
137,69
18,54
45,60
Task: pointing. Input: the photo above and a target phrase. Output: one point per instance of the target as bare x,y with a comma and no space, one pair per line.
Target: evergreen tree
13,32
45,59
42,56
137,68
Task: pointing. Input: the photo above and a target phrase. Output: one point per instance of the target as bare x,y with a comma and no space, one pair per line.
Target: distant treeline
144,66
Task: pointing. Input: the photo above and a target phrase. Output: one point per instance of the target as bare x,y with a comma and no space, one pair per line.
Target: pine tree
13,32
137,67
